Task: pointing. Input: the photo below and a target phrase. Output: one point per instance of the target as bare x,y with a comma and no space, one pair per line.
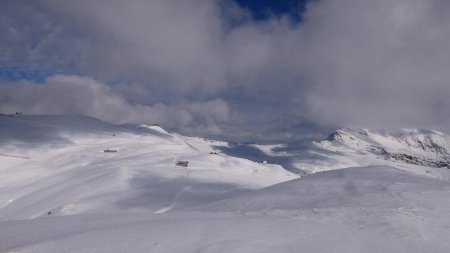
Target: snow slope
375,209
57,164
378,187
60,192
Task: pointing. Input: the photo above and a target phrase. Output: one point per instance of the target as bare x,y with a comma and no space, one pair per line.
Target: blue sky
261,8
15,73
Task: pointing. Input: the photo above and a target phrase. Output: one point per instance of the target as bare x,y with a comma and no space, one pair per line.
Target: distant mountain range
411,146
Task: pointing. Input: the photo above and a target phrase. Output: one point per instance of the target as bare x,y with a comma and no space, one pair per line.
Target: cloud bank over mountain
209,68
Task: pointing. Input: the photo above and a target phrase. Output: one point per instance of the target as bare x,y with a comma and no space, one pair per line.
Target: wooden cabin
110,151
183,163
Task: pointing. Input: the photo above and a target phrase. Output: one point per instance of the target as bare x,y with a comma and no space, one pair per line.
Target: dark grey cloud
207,68
380,63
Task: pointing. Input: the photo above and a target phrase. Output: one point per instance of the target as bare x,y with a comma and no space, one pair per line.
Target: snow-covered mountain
77,184
424,152
62,165
412,146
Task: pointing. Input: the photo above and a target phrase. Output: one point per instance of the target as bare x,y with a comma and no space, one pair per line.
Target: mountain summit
412,146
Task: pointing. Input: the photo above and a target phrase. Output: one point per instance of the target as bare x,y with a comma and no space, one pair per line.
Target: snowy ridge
412,146
373,209
356,187
77,184
59,165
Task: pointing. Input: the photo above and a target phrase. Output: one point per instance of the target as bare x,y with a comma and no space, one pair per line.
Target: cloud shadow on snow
155,193
286,155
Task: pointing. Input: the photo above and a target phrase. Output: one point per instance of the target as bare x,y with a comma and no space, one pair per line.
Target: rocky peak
412,146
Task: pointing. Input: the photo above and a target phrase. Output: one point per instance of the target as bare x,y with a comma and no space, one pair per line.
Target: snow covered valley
77,184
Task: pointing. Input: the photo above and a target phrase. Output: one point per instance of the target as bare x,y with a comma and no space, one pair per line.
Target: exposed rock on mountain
412,146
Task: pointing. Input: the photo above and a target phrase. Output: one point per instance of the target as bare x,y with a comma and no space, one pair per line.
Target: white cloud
62,94
205,64
380,63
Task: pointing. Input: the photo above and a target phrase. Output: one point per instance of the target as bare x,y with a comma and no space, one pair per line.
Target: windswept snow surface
60,192
57,164
373,209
